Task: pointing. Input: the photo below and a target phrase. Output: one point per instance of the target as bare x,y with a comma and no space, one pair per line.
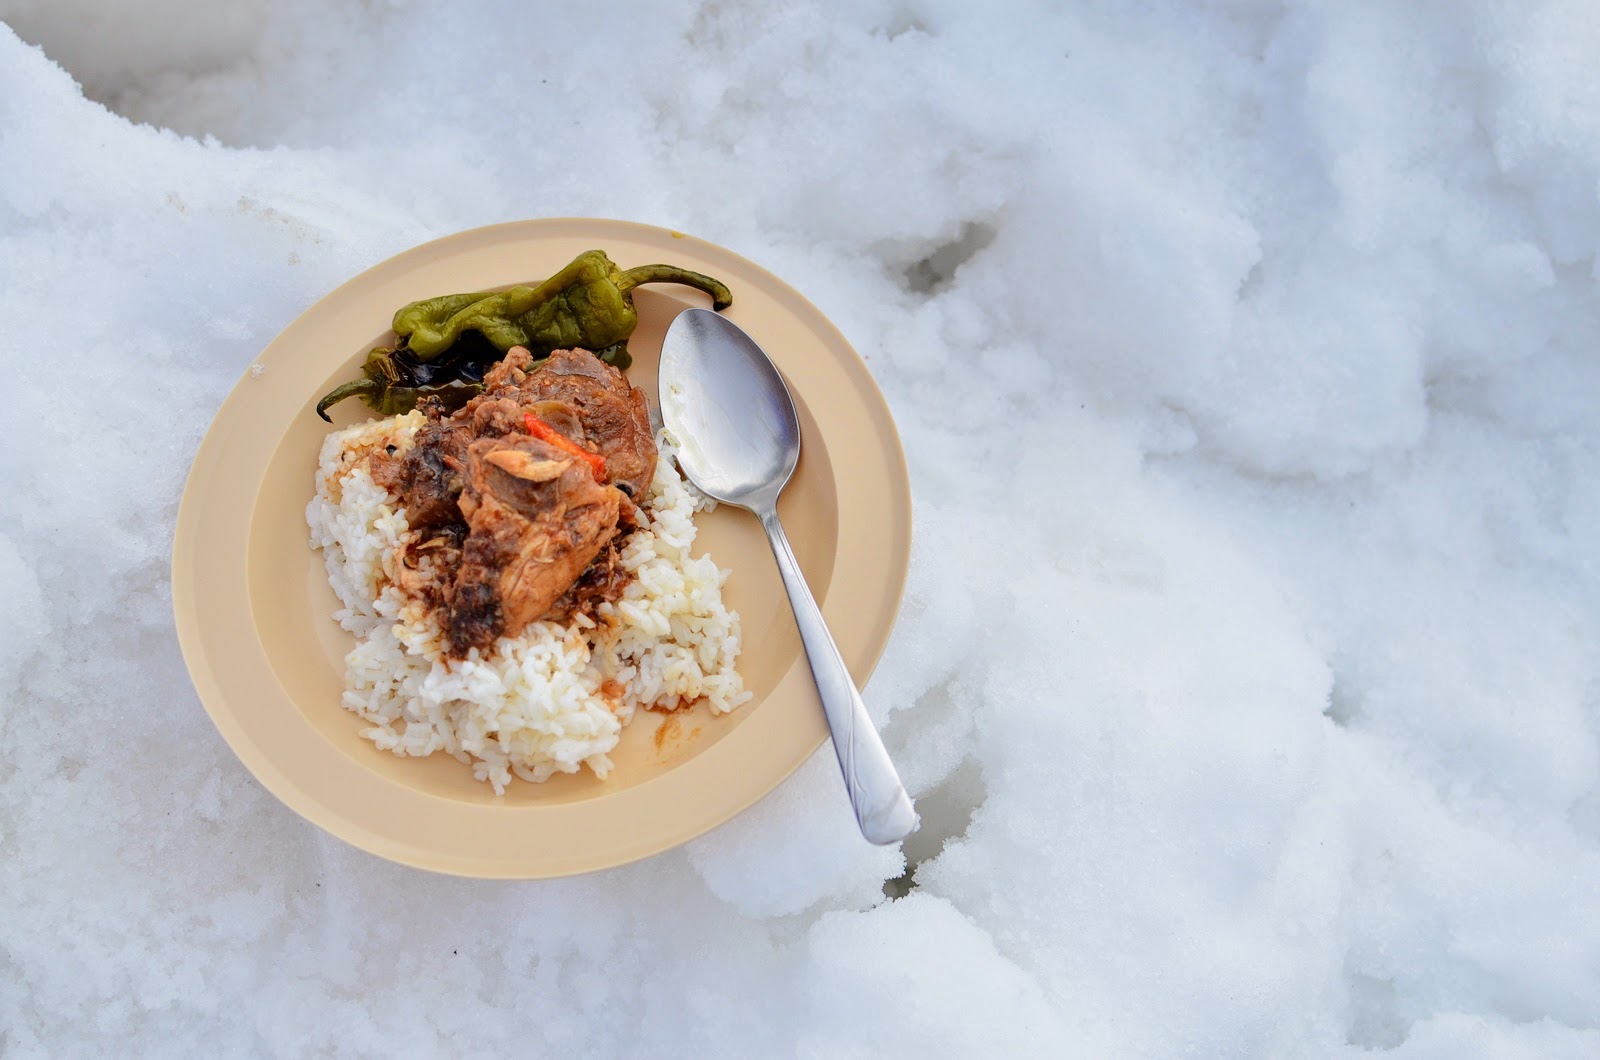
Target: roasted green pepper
587,305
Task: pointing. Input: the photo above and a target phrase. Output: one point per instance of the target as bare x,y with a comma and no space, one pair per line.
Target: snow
1245,353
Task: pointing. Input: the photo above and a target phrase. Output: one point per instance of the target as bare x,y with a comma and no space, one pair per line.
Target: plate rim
329,819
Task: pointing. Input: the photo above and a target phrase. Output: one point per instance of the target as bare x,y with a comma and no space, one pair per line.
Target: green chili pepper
446,343
588,304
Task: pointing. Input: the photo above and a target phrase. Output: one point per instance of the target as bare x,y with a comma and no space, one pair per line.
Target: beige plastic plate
253,606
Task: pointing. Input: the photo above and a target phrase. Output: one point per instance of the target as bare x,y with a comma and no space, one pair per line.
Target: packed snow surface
1246,357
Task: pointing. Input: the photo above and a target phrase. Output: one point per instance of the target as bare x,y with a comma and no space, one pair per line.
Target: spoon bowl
728,408
738,438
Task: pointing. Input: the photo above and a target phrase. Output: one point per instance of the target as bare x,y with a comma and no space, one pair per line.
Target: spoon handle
882,807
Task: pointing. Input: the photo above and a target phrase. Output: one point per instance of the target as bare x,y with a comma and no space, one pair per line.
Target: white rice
534,705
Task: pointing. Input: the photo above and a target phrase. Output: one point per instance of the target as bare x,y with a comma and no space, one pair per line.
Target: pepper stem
721,297
363,386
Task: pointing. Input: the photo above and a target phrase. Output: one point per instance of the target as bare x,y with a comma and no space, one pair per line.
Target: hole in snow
1585,814
1251,282
946,813
902,884
1344,705
939,267
1375,1020
901,22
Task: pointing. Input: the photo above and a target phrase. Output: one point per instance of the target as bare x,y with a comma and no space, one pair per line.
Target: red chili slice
546,433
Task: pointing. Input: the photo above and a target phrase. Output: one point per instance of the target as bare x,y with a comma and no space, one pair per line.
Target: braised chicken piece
602,581
494,416
535,518
575,389
521,498
428,475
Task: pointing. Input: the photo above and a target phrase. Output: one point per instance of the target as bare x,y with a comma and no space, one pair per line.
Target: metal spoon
739,441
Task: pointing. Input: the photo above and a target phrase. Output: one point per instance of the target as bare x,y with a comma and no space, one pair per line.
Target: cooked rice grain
534,705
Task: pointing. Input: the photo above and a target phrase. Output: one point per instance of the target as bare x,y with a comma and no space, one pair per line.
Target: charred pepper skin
587,305
389,400
392,382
